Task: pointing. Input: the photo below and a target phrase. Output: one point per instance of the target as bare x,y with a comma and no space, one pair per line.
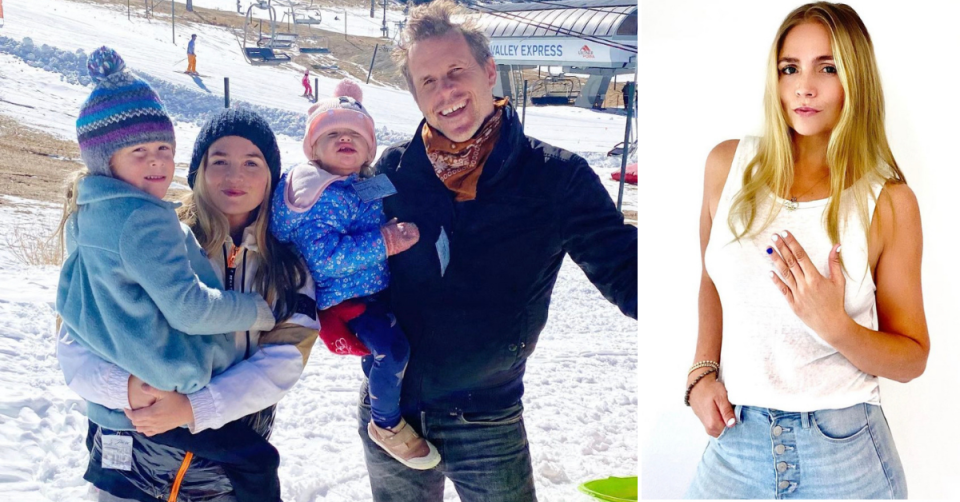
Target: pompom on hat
240,122
122,111
343,110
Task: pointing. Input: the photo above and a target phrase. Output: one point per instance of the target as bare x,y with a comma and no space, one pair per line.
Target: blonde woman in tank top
793,332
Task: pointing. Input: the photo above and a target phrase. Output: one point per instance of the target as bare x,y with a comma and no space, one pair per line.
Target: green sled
612,489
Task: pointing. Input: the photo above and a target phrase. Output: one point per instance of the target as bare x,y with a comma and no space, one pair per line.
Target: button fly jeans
485,455
826,454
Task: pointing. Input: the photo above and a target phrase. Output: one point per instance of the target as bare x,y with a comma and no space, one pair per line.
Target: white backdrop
702,67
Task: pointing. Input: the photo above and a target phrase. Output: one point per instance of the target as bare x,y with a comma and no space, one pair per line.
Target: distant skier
307,90
192,56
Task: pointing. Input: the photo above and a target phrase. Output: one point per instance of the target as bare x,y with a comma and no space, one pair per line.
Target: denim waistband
744,413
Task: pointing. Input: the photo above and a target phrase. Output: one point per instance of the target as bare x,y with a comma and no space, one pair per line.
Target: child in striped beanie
136,288
333,214
122,111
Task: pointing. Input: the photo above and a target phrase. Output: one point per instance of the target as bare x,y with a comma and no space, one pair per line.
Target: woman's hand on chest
816,299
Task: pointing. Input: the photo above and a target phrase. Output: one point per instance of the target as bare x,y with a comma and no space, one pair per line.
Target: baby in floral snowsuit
345,242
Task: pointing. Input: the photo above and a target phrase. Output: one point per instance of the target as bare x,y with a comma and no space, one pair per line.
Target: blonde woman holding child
794,333
215,316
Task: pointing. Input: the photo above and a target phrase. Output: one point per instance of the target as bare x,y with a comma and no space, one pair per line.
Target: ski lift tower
384,30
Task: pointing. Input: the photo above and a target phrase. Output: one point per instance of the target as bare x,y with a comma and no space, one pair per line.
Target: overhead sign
559,51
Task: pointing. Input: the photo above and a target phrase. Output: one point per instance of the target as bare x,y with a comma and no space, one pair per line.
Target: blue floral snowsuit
339,236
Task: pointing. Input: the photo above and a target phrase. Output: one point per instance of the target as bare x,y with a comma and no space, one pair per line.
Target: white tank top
769,358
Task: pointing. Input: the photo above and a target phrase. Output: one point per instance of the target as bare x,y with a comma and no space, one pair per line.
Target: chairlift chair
263,53
555,90
618,150
306,19
319,45
277,40
630,148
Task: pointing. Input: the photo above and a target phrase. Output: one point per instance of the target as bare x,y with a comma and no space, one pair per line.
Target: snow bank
184,104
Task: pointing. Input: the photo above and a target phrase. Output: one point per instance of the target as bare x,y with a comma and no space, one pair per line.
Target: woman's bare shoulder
900,195
718,166
898,202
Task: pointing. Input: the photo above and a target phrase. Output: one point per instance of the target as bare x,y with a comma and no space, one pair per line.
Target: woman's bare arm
899,348
709,398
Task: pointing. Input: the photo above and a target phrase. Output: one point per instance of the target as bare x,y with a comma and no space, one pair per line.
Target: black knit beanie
237,122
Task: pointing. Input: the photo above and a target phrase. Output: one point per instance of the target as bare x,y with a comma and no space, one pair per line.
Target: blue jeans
378,329
826,454
485,455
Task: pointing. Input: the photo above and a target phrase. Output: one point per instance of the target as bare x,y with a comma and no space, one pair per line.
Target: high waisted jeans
826,454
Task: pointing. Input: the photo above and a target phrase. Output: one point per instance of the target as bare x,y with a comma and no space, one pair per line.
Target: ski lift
618,150
277,40
306,19
263,53
555,90
631,146
317,44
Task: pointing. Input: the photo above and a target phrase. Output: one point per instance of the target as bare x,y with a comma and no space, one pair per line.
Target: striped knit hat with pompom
122,111
342,111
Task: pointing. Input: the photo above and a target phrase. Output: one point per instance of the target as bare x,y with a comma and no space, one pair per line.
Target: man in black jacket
497,212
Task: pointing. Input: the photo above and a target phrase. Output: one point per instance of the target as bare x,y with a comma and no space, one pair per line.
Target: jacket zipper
229,278
243,282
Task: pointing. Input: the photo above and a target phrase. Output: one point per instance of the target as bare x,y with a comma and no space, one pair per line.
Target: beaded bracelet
686,397
701,364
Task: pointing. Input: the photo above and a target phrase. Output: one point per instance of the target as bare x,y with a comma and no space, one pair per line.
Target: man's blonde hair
435,20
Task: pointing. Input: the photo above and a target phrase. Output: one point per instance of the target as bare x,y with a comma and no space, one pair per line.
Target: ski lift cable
557,3
559,29
297,5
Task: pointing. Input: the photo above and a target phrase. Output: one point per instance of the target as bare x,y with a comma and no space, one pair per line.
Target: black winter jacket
472,326
155,467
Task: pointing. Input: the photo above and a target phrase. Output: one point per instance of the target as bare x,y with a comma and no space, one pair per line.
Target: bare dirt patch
35,165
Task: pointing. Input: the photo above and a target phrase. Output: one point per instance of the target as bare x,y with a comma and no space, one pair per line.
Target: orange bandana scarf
459,165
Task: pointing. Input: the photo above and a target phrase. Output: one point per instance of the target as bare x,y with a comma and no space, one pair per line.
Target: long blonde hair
858,145
280,274
72,184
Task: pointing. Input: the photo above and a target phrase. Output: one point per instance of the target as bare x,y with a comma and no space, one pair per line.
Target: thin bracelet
686,397
701,364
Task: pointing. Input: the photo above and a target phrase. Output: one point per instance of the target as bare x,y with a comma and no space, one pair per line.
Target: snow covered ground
581,400
581,385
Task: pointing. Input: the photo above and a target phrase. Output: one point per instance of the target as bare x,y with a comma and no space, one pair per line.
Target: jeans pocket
364,393
841,426
363,407
506,416
722,434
